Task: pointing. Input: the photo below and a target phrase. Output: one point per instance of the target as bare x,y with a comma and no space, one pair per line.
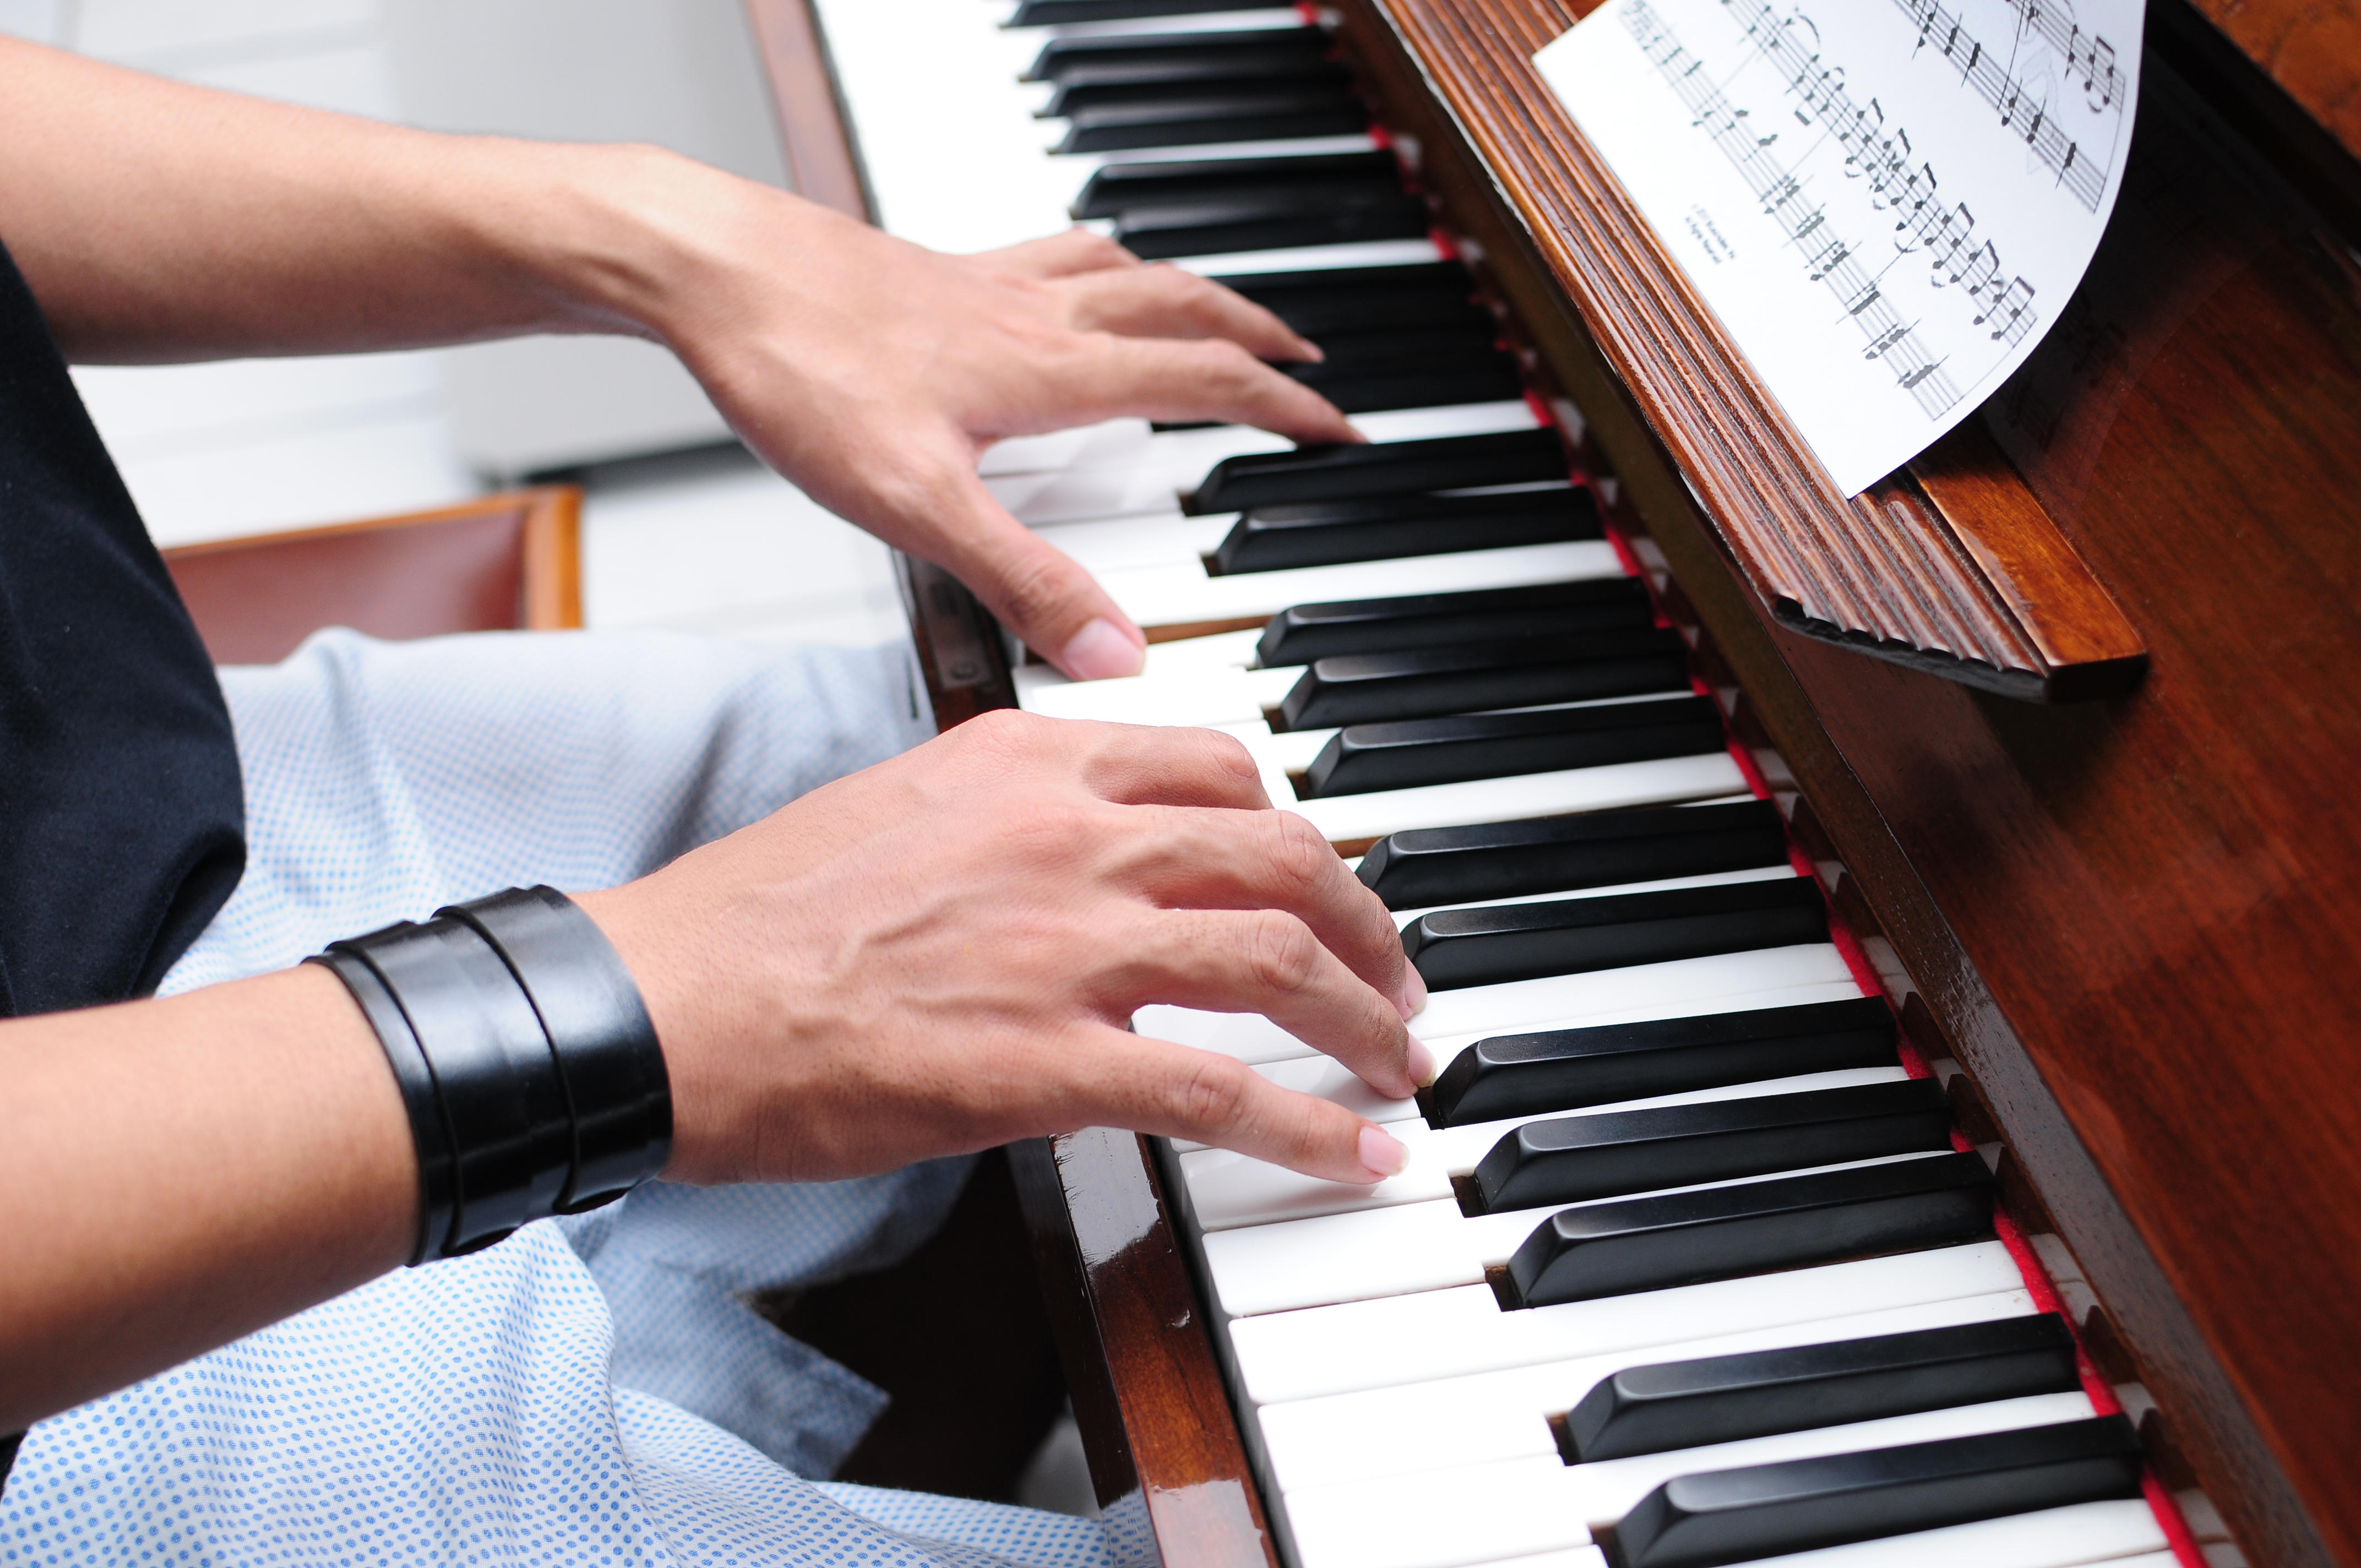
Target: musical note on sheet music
1884,201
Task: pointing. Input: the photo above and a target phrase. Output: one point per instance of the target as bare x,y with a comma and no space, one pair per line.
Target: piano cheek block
1771,1510
1721,1232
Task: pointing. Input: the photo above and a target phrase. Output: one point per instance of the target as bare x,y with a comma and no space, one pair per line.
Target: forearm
174,1174
161,222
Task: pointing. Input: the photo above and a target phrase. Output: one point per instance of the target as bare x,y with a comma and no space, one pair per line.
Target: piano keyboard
1684,1265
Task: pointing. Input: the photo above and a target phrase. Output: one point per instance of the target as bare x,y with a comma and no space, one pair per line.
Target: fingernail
1307,349
1383,1156
1419,1061
1101,650
1413,990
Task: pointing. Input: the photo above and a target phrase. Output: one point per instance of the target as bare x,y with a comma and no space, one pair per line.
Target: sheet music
1885,202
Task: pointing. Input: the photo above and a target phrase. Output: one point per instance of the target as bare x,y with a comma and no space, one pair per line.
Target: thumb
1042,594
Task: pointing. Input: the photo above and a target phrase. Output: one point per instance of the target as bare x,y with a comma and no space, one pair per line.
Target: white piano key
1573,1557
1347,818
1336,1258
2121,1532
1244,18
1147,539
1495,1415
1222,651
1228,1190
1183,595
1317,257
1681,988
1194,698
1703,878
1396,1340
1108,440
1469,1514
1113,478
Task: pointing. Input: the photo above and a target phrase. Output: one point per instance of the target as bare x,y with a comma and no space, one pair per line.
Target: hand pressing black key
1365,757
1310,631
1258,51
1771,1510
1756,1227
1526,672
1327,533
1724,1399
1496,943
1381,468
1323,177
1566,1070
1422,868
1577,1159
1273,110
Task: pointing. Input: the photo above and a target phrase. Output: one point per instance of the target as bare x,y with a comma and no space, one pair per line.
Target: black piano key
1725,1398
1367,298
1427,866
1756,1227
1266,223
1051,13
1572,1159
1335,176
1308,631
1491,376
1324,533
1378,469
1566,1070
1146,84
1256,52
1276,110
1770,1510
1487,946
1365,757
1525,671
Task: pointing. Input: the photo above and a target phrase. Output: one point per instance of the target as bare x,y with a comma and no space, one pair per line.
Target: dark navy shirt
122,821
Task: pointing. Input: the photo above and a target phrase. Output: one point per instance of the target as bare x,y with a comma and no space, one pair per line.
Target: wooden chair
506,562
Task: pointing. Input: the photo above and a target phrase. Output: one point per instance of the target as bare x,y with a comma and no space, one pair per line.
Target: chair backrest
506,562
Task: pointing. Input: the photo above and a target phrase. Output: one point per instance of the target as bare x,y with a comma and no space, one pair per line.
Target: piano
1891,955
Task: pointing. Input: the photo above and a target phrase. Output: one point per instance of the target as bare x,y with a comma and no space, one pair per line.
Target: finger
1164,302
1158,378
1067,254
1266,961
1036,589
1153,1086
1277,859
1137,764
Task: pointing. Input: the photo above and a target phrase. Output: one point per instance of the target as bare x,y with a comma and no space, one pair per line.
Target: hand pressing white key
940,954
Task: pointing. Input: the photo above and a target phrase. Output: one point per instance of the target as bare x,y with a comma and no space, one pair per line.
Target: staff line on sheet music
1998,85
1943,232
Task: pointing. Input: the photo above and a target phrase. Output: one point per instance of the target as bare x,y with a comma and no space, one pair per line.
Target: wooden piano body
2089,799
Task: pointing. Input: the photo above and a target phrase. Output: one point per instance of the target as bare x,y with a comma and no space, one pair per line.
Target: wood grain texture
502,562
2311,49
821,157
1882,571
1148,1390
2128,918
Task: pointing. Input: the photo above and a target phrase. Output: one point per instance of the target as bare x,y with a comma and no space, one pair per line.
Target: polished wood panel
2009,608
813,133
1148,1395
2126,918
507,562
2311,48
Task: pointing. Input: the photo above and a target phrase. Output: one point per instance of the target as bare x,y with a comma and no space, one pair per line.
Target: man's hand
943,953
876,372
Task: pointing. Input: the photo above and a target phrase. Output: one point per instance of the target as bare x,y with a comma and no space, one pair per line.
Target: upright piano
1895,956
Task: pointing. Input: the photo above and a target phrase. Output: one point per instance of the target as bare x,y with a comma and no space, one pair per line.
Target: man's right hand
943,953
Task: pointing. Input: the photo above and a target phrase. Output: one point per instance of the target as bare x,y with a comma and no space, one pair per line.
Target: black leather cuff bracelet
527,1062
